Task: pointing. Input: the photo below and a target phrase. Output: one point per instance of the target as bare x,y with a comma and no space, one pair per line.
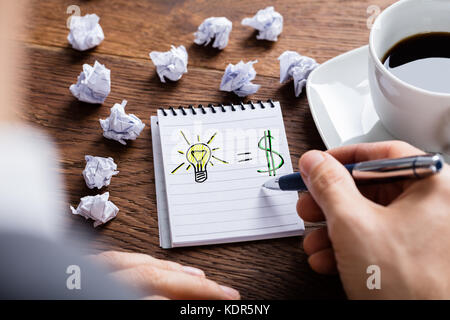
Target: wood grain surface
322,29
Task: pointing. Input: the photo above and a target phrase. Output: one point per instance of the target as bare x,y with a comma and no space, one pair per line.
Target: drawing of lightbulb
198,155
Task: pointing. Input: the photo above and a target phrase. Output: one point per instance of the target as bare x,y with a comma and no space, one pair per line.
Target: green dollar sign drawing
265,144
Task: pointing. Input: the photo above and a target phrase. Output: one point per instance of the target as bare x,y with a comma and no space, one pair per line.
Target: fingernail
193,271
309,161
232,293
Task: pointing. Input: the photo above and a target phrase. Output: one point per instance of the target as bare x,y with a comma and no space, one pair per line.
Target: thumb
330,184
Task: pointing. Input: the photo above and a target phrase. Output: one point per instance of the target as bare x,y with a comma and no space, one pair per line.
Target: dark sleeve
36,268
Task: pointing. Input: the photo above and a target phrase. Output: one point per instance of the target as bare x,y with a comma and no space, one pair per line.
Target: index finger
173,284
124,260
374,151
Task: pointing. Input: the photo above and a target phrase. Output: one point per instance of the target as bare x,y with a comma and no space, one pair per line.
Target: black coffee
422,60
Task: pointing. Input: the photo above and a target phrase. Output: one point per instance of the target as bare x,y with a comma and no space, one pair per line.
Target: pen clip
416,166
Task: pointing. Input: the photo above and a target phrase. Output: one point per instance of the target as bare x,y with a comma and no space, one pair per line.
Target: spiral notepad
210,164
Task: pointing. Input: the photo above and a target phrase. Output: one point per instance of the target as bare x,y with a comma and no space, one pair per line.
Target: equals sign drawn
246,154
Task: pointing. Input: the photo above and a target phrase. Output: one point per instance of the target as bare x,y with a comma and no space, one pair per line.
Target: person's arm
403,227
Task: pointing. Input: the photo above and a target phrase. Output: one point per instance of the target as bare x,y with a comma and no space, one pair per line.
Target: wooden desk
272,269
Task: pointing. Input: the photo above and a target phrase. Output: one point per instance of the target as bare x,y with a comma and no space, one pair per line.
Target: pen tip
272,184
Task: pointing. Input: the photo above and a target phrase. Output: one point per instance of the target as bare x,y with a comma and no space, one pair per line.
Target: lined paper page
234,153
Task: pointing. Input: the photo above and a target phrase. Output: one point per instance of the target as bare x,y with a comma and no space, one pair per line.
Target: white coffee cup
415,115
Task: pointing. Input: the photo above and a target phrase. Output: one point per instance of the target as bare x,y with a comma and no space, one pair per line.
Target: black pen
415,167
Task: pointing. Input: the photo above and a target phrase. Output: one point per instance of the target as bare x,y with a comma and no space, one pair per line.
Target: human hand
160,279
402,227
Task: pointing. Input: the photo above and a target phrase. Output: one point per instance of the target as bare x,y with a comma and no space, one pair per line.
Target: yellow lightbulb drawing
198,156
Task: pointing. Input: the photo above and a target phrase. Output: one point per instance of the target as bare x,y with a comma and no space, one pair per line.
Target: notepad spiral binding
192,110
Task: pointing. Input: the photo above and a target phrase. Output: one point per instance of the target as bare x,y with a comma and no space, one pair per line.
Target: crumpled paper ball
171,64
97,208
237,78
85,32
93,84
121,126
268,22
99,171
294,65
214,28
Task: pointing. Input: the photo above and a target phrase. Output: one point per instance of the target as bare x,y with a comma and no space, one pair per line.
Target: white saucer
339,99
340,102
